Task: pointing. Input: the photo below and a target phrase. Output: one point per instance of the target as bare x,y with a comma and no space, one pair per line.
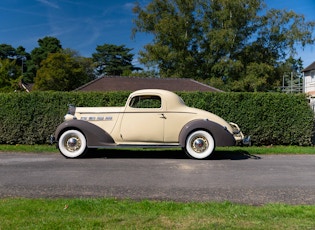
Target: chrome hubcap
199,144
73,143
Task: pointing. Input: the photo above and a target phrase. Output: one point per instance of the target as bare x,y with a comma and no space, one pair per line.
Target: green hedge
269,118
30,118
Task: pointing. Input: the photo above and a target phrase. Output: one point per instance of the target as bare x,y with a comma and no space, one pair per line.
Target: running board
175,145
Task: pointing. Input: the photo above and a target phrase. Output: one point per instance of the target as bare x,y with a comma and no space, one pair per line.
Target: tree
60,72
231,42
85,62
19,54
113,60
7,52
9,75
22,57
47,45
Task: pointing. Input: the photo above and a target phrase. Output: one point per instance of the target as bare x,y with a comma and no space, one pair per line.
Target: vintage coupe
150,118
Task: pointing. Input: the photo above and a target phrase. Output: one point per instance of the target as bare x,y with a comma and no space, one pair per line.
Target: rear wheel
199,145
72,144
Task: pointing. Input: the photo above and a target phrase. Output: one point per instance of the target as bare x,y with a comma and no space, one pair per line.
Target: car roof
154,91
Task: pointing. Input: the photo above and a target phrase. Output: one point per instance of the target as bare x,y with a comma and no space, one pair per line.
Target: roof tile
117,83
310,67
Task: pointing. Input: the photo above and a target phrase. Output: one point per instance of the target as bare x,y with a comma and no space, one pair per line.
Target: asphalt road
235,177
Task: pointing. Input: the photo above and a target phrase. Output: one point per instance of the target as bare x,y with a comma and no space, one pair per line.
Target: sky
82,25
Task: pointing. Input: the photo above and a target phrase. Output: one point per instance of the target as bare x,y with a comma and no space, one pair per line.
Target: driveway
161,175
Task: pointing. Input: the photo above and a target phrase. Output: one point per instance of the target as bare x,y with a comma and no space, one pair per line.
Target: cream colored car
150,118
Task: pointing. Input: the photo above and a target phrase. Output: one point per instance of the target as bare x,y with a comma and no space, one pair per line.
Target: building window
313,75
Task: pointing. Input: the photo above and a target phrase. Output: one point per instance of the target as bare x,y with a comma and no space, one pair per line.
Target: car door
143,120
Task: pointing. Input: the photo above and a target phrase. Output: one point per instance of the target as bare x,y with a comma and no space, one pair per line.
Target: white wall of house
309,87
309,82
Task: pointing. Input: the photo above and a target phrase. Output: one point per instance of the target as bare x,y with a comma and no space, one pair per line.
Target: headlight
71,109
68,117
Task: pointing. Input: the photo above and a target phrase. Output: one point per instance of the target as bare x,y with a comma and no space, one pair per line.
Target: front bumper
239,136
52,139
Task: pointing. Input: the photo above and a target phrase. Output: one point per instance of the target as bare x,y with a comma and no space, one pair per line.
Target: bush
32,118
269,118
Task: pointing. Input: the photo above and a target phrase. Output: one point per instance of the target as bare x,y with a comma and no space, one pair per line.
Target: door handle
163,116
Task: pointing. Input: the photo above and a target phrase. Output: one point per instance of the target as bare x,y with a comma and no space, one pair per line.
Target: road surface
165,175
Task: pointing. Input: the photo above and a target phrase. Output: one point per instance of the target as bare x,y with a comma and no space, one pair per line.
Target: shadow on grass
165,154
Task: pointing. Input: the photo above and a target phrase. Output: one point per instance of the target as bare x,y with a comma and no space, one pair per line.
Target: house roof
310,67
117,83
26,86
311,93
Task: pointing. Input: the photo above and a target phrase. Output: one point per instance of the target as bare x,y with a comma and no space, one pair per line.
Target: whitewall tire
72,144
199,145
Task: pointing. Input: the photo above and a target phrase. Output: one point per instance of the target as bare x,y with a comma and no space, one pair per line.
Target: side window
145,102
313,75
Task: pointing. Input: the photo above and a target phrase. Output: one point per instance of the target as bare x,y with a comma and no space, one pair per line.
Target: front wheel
199,145
72,144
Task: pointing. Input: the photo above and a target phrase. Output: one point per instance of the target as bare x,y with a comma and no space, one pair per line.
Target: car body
150,118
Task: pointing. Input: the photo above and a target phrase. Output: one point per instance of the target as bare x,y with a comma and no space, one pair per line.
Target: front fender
95,136
221,135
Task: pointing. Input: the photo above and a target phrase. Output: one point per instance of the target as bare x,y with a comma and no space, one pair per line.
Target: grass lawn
16,213
254,150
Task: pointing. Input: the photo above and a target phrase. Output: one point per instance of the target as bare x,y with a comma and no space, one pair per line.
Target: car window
145,102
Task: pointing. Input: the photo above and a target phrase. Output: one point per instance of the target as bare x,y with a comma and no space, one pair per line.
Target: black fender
95,136
222,137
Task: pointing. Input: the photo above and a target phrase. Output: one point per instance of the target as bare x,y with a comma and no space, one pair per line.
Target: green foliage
60,72
113,59
47,45
240,42
256,79
269,118
61,69
30,118
7,51
9,75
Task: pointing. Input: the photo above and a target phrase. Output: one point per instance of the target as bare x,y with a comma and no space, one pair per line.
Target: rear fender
221,135
95,136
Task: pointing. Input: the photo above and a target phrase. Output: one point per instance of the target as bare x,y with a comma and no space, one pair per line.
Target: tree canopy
113,59
238,45
47,45
50,67
60,72
9,75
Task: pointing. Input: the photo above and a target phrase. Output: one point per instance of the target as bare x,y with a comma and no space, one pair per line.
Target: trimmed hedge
30,118
269,118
